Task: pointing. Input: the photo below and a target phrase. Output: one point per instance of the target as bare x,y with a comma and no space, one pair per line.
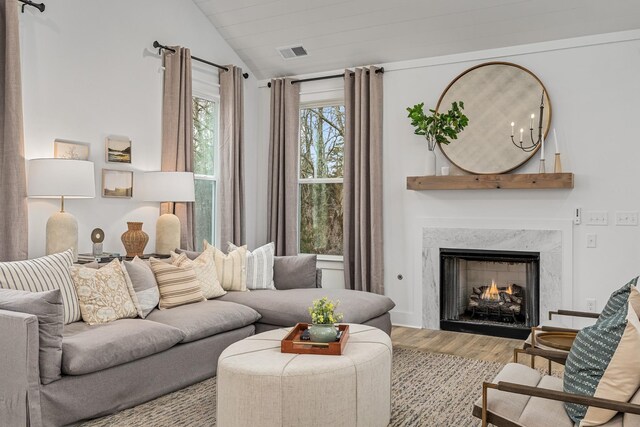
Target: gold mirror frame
485,147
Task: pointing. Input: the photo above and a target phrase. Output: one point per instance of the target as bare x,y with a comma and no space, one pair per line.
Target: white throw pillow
259,266
231,268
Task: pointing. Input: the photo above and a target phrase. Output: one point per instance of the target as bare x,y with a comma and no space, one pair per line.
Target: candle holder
542,168
534,142
557,168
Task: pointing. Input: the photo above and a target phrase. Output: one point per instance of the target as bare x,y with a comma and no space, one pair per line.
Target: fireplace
489,292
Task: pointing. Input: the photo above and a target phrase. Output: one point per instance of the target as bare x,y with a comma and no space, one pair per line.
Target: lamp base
62,234
167,234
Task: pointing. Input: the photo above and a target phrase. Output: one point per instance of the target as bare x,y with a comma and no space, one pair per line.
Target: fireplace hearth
489,292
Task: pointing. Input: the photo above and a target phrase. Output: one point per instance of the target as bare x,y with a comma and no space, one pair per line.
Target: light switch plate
597,218
628,218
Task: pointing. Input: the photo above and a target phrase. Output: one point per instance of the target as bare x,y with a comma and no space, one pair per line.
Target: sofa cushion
144,284
178,285
206,318
232,267
546,412
104,294
44,274
206,272
286,308
294,272
259,266
47,306
87,348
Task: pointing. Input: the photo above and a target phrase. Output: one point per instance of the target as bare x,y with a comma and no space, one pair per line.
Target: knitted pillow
603,362
617,300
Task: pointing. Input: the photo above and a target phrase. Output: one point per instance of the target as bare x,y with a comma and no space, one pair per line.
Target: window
320,179
205,143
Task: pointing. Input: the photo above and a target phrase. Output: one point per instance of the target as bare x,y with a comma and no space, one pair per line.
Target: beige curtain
283,167
177,133
13,191
231,182
363,256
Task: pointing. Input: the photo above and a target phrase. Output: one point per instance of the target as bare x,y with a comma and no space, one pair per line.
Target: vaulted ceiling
346,33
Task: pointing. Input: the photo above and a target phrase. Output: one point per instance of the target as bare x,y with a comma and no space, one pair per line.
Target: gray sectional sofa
110,367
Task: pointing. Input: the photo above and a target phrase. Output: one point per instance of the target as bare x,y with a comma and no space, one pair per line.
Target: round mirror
495,95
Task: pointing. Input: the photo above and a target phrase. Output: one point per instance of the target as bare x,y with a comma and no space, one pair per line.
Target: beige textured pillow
205,269
232,268
103,294
177,285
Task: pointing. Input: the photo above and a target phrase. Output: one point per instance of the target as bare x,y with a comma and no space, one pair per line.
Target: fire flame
491,293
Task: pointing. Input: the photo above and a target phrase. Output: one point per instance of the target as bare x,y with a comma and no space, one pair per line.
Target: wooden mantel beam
488,182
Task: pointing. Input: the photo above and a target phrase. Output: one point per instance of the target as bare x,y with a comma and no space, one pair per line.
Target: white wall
89,71
593,85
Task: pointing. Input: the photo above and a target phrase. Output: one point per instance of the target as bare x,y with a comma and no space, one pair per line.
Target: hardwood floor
493,349
472,346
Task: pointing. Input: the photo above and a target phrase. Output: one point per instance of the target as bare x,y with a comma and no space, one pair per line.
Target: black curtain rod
335,76
222,67
39,6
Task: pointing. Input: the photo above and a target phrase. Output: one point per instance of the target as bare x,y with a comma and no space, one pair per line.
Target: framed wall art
117,183
118,149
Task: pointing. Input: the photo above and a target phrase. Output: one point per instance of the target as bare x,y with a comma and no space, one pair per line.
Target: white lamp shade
49,178
169,187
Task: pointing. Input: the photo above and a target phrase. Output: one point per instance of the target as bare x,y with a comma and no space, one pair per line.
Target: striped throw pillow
617,300
603,362
44,274
259,266
177,285
232,268
206,272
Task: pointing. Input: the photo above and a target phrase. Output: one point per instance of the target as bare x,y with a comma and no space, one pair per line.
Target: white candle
512,125
555,138
521,132
542,150
531,123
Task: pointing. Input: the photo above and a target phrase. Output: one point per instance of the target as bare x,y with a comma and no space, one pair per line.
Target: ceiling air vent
291,52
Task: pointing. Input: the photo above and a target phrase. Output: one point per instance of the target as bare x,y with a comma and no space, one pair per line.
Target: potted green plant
324,318
437,127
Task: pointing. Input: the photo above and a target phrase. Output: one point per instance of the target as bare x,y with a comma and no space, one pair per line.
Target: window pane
205,133
321,142
321,219
205,211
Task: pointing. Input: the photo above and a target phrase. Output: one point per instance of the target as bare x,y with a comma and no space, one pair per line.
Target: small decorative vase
134,239
430,163
323,332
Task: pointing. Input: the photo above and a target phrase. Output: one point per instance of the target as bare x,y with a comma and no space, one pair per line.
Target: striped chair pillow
177,285
259,266
44,274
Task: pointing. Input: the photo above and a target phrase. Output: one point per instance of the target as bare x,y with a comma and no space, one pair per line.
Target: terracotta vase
134,239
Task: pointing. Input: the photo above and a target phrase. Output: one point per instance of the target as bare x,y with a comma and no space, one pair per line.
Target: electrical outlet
627,218
597,218
592,240
591,305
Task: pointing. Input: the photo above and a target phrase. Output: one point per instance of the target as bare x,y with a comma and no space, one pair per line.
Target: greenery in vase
323,312
438,127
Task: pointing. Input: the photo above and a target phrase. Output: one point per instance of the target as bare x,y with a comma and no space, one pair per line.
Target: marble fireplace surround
552,239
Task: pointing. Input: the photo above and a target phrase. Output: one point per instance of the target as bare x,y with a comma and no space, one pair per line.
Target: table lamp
171,187
63,178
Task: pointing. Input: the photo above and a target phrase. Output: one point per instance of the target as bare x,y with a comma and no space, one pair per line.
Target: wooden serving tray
559,340
293,344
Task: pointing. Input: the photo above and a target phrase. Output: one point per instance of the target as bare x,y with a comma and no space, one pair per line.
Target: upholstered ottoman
260,386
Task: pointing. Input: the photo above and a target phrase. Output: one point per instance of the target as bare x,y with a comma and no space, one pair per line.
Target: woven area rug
428,389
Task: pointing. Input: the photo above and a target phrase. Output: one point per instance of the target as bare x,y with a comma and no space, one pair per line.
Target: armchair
532,347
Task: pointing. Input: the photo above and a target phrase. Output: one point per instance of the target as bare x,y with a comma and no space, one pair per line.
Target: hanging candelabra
533,144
